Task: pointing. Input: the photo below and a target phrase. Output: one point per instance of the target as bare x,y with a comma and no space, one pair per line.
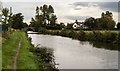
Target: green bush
45,58
82,36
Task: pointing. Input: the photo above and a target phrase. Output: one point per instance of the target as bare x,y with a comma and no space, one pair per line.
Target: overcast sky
67,11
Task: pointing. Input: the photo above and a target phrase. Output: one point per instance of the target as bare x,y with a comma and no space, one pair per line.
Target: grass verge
26,59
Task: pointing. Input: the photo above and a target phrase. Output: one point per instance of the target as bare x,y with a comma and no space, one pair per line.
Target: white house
78,25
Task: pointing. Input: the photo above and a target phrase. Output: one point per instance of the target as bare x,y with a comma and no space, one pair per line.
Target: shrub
45,58
82,35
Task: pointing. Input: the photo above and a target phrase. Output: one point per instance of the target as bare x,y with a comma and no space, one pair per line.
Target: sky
67,11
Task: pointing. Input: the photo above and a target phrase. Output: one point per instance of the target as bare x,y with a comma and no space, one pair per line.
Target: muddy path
16,55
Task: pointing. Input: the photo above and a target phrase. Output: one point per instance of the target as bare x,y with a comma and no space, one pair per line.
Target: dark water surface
74,54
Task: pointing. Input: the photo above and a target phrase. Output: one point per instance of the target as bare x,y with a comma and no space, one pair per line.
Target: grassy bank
30,57
26,59
95,35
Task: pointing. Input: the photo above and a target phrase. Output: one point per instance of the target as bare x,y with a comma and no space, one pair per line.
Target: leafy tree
5,12
44,10
25,25
53,19
118,25
32,23
106,21
50,13
44,17
6,19
62,25
107,15
6,16
17,22
91,23
69,26
47,12
37,10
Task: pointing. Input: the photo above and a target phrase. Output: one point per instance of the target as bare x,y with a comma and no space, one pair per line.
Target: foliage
45,58
90,22
17,22
105,22
5,13
69,26
45,18
6,16
4,27
118,25
100,36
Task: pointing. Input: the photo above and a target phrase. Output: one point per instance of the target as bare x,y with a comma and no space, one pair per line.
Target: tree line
105,22
10,20
45,18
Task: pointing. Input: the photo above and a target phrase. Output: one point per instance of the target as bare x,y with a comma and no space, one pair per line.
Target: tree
37,10
17,22
6,16
5,12
10,18
106,21
49,13
44,17
62,25
69,26
107,15
118,25
25,25
32,22
90,23
53,19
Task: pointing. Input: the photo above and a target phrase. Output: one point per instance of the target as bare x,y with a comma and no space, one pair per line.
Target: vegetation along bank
28,57
105,36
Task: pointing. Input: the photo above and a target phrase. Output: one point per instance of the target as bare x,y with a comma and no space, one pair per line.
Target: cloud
77,17
60,0
80,4
65,11
111,6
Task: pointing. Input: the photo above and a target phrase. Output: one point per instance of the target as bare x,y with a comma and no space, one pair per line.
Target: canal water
74,54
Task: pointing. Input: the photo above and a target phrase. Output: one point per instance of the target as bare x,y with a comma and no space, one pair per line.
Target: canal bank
26,59
106,36
19,54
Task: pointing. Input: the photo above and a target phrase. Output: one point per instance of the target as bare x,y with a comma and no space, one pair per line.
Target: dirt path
16,55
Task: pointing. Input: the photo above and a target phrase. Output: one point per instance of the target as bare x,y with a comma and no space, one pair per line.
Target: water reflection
74,54
105,45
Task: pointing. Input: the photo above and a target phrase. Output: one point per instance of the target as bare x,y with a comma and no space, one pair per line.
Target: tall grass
26,60
45,58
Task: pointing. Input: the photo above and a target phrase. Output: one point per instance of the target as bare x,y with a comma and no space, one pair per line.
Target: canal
74,54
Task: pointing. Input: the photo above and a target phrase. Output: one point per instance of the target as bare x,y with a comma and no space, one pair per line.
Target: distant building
79,25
